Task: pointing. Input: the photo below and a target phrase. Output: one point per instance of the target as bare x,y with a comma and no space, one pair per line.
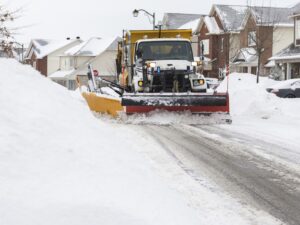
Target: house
287,61
264,32
219,36
240,36
44,54
98,52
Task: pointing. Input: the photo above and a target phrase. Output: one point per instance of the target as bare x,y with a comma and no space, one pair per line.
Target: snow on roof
296,8
231,16
271,63
176,20
44,47
212,25
191,25
61,73
290,52
272,15
93,47
247,55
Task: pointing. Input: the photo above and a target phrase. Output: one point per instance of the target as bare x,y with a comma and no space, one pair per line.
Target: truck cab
160,61
166,65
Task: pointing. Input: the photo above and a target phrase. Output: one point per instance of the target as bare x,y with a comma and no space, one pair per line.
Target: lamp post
136,13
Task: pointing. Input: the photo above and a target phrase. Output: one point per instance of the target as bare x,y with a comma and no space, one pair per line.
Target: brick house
230,35
219,36
266,30
43,54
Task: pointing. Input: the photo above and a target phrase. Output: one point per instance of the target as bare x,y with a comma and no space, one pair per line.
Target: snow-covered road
61,165
233,167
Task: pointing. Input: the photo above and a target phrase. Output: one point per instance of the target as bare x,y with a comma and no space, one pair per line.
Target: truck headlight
194,63
198,82
140,83
152,65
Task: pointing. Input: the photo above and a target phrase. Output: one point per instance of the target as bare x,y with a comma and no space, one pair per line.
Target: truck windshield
165,50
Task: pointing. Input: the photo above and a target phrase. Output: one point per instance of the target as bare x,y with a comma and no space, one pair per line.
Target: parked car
286,89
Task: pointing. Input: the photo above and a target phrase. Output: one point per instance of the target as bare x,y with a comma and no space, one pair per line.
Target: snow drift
60,165
247,98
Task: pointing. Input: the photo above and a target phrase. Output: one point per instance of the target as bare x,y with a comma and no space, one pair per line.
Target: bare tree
260,29
6,31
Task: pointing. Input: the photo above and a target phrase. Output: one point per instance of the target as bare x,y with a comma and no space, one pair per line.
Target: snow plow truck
156,70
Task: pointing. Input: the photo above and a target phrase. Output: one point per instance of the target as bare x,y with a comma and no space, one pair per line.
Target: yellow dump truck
158,70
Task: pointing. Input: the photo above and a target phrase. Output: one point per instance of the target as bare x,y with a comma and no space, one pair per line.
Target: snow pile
60,165
247,98
160,117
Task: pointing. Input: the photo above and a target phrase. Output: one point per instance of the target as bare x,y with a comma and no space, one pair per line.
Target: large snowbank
263,115
247,98
60,165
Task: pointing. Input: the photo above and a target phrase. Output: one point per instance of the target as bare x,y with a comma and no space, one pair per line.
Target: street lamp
136,13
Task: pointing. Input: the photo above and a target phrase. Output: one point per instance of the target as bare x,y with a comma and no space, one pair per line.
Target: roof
296,9
234,17
191,24
212,25
272,15
93,47
44,47
231,16
176,20
246,55
270,64
290,52
60,74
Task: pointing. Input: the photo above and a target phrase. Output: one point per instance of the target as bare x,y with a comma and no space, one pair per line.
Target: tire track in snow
251,179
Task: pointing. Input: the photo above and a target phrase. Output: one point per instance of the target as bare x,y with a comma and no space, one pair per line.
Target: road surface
245,167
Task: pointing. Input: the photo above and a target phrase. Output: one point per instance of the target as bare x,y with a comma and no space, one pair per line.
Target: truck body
158,71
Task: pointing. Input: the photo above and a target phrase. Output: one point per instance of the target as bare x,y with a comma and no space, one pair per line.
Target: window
72,85
205,44
253,70
252,38
71,62
164,50
297,31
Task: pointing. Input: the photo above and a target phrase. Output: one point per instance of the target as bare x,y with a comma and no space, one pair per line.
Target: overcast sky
58,19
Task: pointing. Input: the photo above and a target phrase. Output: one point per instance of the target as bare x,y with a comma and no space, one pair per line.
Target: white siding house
100,53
